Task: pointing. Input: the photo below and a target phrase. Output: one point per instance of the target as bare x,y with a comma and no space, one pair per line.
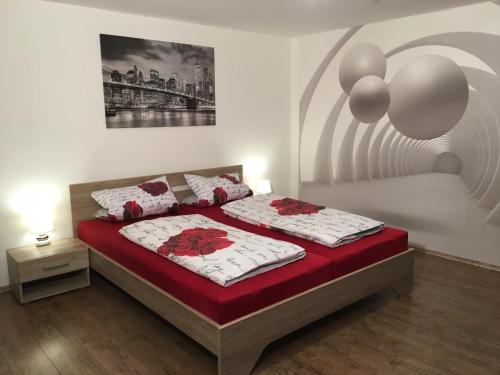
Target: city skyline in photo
122,53
150,83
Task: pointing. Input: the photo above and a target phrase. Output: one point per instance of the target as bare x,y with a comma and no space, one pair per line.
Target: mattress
344,259
223,305
220,304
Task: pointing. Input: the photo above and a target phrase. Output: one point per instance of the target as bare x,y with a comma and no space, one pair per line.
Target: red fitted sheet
221,304
344,259
214,301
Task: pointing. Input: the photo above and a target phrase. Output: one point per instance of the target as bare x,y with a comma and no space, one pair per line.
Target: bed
238,322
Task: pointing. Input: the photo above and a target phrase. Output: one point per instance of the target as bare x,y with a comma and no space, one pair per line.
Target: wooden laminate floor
450,324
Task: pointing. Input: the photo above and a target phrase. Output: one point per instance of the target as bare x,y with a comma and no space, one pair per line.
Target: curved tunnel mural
427,131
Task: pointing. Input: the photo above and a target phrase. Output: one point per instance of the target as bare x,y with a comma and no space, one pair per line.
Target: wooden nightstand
39,272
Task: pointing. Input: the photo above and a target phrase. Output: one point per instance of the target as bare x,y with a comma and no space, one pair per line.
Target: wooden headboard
83,207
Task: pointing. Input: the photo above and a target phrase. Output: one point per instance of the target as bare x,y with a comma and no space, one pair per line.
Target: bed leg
238,361
403,285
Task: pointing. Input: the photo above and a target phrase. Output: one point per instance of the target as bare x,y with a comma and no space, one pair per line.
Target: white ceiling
277,17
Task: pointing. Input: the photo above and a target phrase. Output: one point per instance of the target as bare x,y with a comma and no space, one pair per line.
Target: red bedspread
225,304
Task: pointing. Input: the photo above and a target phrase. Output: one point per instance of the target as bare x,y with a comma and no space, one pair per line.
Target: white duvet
219,252
320,224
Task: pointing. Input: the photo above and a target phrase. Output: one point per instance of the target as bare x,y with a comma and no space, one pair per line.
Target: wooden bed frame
239,343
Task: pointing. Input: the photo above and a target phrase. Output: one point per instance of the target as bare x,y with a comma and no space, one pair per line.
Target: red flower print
203,203
289,206
195,242
233,179
132,210
220,195
154,188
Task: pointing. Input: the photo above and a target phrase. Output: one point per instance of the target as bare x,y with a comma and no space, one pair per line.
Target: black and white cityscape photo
156,84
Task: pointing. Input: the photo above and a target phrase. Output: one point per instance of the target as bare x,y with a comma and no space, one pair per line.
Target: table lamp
40,224
35,204
262,186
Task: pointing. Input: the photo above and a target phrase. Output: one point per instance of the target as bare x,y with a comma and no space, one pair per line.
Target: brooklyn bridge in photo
152,84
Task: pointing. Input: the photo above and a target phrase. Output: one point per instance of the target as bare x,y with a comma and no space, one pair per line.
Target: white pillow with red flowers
217,190
153,197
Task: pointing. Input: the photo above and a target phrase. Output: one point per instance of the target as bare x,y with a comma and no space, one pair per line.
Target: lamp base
42,240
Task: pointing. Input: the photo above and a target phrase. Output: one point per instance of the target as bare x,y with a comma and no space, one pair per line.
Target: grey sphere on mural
448,162
360,61
369,99
429,96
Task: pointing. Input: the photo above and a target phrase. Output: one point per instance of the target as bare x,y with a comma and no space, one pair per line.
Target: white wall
52,117
441,211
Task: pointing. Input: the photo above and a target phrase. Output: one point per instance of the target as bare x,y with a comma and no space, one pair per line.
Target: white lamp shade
35,203
40,223
261,186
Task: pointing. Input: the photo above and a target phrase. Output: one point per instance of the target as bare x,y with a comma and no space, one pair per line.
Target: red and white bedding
320,224
216,251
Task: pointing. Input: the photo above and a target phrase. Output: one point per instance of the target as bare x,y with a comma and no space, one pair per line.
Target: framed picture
156,84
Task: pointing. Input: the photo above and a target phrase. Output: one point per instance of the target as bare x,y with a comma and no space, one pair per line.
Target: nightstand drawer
55,265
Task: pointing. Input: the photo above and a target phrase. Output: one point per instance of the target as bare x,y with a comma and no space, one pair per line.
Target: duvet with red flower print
216,251
319,224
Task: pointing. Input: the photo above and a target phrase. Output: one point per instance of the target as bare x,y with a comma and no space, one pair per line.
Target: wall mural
426,99
432,118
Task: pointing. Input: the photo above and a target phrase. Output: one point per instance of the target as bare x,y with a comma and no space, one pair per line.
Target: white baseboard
4,288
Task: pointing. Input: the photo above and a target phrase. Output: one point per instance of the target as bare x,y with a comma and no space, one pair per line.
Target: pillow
149,198
218,189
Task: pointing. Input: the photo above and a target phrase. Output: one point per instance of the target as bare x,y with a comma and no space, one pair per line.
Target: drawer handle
56,267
